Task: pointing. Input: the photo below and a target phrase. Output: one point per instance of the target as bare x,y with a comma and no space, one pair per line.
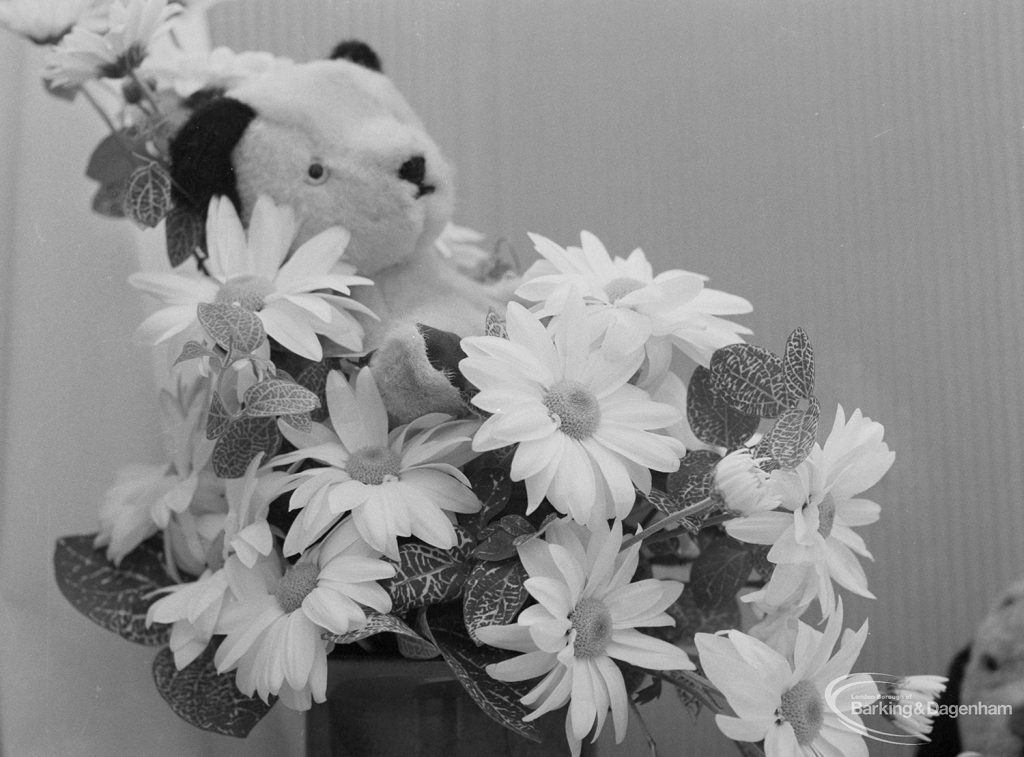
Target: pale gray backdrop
851,166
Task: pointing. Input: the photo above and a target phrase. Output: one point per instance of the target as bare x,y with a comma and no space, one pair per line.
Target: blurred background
850,166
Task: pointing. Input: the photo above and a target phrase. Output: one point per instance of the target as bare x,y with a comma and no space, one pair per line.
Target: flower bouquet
626,473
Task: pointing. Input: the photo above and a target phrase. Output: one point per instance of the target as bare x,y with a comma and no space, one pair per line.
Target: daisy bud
742,485
916,696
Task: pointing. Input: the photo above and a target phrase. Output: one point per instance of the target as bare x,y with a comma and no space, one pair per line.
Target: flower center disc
616,289
297,582
574,408
593,625
801,708
248,292
374,465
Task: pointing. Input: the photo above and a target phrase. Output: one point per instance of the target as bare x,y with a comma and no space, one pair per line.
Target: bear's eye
317,173
990,663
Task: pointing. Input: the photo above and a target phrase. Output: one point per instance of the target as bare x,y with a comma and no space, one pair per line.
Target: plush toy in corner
335,140
989,672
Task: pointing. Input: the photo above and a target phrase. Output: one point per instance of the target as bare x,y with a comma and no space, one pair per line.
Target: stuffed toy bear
989,672
335,140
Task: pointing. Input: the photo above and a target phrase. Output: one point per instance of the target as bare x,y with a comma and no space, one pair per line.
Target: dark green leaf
376,622
185,232
231,326
242,440
204,698
193,350
428,575
273,396
499,699
498,541
692,618
314,378
147,198
115,158
712,419
494,594
493,488
300,421
719,572
495,325
109,200
792,437
217,418
798,364
113,596
751,379
694,479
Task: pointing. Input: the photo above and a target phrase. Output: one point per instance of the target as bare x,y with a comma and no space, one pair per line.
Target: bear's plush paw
416,368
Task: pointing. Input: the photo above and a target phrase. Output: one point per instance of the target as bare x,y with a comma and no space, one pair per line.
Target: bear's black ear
357,52
201,154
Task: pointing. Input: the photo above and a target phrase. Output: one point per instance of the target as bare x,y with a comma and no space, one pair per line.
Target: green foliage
493,488
798,364
115,597
713,420
494,594
792,437
694,479
205,698
147,195
233,328
240,441
428,575
720,571
185,233
499,699
275,396
498,541
494,325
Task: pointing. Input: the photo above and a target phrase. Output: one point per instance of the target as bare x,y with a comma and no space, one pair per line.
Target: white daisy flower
400,484
634,306
114,50
820,494
584,434
185,73
913,698
144,497
586,617
246,530
45,22
275,618
781,701
742,484
254,272
192,609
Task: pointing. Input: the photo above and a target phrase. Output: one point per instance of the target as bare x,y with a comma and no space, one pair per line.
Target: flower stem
675,518
146,91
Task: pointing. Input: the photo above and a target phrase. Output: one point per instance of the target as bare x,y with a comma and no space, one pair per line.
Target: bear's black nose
414,170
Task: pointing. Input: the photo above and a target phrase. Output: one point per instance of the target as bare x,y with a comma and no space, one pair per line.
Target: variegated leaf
751,379
791,438
493,488
494,594
218,417
712,419
498,541
147,198
428,575
274,396
694,479
242,440
314,378
204,698
185,233
499,699
494,325
116,597
231,326
719,572
376,622
798,364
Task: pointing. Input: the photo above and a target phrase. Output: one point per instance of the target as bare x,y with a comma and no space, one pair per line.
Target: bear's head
335,140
